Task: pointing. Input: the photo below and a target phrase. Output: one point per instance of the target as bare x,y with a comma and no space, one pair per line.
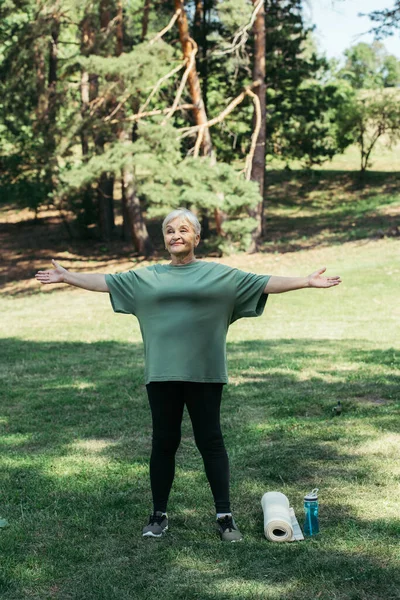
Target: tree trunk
40,67
88,211
120,29
52,81
198,21
204,51
199,112
200,35
88,92
105,13
145,19
105,200
48,106
133,224
106,205
258,166
135,229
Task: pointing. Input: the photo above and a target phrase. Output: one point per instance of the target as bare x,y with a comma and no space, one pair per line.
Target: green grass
329,207
75,441
383,158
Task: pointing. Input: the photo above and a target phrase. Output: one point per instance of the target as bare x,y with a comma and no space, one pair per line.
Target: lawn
75,426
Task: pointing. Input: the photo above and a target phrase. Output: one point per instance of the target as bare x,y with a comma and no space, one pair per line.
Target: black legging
167,400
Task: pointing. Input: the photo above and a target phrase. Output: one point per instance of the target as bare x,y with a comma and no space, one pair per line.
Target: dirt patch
298,217
28,244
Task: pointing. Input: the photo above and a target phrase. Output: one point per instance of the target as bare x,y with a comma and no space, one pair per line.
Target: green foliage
59,138
386,20
366,117
137,70
391,71
370,66
311,126
300,104
164,181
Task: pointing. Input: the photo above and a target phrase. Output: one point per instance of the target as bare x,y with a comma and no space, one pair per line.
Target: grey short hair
185,214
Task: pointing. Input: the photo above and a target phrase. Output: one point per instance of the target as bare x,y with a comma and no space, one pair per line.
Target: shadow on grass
296,186
309,209
75,445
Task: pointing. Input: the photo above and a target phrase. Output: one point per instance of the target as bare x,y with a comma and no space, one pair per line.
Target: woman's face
180,238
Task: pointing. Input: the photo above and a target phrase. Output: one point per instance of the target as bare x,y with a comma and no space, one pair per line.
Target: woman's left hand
317,281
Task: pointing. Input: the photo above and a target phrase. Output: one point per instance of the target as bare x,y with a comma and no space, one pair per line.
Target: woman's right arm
95,282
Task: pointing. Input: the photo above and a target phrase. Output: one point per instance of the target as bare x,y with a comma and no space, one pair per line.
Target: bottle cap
312,496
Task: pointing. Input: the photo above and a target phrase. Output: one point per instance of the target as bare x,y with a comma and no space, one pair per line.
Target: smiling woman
181,231
184,309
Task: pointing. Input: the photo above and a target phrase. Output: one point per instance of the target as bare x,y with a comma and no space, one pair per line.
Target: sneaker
158,523
228,530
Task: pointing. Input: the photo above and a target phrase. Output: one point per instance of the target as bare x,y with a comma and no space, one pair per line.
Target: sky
338,25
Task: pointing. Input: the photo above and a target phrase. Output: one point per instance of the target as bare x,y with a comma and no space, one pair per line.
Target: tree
387,20
311,133
150,91
30,93
259,119
369,66
189,49
362,65
366,117
391,71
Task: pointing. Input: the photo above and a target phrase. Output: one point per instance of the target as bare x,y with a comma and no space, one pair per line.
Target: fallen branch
151,113
254,137
198,142
116,109
179,93
242,34
94,104
158,84
246,92
167,28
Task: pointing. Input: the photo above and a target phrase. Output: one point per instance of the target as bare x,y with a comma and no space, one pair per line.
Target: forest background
114,113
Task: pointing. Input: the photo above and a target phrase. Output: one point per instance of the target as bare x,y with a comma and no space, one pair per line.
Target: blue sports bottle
311,525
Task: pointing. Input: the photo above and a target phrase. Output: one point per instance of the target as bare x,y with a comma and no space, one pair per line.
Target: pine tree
127,114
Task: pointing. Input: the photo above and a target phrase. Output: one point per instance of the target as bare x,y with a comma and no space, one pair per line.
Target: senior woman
184,309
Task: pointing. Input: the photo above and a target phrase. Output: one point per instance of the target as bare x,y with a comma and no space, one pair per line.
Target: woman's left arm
277,285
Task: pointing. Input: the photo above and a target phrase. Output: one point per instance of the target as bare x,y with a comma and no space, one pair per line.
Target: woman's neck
182,260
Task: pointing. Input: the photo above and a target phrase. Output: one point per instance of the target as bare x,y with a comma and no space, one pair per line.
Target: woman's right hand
56,275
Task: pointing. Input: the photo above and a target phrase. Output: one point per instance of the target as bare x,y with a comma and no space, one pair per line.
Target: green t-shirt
184,313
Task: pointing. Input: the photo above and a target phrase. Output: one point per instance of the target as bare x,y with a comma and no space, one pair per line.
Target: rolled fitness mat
280,523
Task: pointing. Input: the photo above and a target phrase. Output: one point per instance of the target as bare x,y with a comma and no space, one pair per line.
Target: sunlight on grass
85,464
385,157
235,587
70,466
91,446
368,507
83,385
14,439
32,570
386,446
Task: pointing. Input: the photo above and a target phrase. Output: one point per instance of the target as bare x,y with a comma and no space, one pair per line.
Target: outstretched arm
277,285
95,282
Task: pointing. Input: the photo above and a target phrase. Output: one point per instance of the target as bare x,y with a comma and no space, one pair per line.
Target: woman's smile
180,240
